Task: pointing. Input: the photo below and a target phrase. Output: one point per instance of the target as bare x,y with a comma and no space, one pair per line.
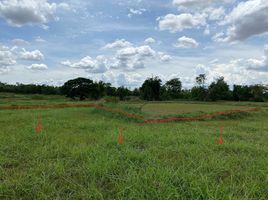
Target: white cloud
207,30
201,69
128,80
7,58
20,42
256,64
38,67
98,65
136,12
85,63
125,57
145,51
125,53
176,23
45,27
4,70
198,4
164,57
219,37
141,52
247,19
186,42
132,58
123,79
149,41
35,55
191,3
216,60
22,12
39,39
237,71
122,43
216,14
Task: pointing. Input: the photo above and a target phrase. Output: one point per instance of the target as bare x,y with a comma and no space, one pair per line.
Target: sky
126,41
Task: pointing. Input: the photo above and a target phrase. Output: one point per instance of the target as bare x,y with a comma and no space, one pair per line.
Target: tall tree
219,90
122,92
173,88
241,93
80,87
258,92
200,80
199,92
150,89
136,92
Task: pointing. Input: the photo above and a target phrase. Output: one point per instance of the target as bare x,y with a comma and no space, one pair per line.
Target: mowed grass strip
76,156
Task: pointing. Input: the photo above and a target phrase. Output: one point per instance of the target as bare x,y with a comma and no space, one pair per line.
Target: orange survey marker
120,137
38,127
220,140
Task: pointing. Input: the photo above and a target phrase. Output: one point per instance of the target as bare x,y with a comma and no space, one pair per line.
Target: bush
111,99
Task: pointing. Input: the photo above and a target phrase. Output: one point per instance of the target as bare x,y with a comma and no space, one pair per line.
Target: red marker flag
38,127
120,137
220,140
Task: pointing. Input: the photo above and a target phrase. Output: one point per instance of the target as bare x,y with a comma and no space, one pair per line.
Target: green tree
199,92
122,93
109,90
82,88
173,88
200,80
219,90
150,89
258,93
136,92
241,93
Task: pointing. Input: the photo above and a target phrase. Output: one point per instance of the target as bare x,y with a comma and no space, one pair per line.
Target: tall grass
76,156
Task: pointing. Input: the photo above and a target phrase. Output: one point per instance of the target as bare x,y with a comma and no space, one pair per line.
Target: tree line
29,89
152,89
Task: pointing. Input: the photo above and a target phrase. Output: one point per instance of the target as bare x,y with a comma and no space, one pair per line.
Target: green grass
77,156
179,108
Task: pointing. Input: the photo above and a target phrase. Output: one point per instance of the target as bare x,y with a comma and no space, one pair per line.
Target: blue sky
126,41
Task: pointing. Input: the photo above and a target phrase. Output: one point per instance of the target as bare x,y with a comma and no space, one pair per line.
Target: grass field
76,156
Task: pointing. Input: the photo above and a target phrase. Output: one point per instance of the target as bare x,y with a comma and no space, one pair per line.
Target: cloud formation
198,4
186,42
123,79
149,41
247,19
38,67
35,55
237,71
144,45
177,23
191,3
125,56
132,58
119,43
20,42
97,65
133,12
23,12
7,58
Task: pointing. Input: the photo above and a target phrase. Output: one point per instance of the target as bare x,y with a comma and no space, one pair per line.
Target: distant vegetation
151,90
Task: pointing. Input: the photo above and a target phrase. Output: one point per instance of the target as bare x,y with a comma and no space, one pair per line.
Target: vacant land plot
76,156
180,108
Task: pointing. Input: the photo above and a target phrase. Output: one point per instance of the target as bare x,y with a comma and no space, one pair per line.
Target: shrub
111,99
